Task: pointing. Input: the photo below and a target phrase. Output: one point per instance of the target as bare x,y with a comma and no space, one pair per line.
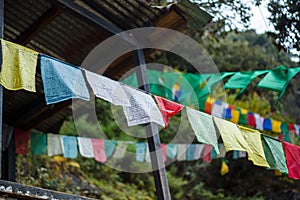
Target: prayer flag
140,151
278,78
172,151
163,148
62,81
86,147
256,152
292,154
21,141
276,126
18,67
181,155
38,143
109,146
231,135
224,168
167,108
207,153
251,119
267,124
235,116
107,89
69,144
99,150
120,150
190,153
203,127
54,146
274,154
142,109
198,151
208,105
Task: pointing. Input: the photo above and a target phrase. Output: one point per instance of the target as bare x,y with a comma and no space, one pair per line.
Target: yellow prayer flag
18,67
244,111
235,116
224,168
276,126
231,135
253,138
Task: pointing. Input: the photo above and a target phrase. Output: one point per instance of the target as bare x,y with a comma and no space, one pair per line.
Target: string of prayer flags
54,146
274,154
140,151
167,108
231,135
142,109
255,152
292,154
278,78
85,147
203,127
109,146
99,150
172,150
18,67
21,141
69,144
107,89
240,80
62,81
38,143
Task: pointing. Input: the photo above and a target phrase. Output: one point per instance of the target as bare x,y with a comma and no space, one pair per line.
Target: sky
259,20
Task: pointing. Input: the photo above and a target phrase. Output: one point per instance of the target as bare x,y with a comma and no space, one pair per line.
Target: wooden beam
37,26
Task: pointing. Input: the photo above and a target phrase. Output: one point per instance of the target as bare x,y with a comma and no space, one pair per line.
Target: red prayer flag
207,153
292,154
292,128
99,150
164,151
251,120
167,108
21,141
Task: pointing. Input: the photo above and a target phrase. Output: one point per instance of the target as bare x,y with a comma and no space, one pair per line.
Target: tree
285,18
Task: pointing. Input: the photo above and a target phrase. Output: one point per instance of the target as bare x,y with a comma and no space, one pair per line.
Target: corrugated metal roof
50,27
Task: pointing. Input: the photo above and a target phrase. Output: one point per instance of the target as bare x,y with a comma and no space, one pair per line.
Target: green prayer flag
156,83
131,80
203,127
193,88
240,80
286,132
170,79
243,117
38,143
109,147
278,78
274,154
172,151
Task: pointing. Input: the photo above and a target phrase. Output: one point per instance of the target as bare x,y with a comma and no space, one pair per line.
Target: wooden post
158,166
1,88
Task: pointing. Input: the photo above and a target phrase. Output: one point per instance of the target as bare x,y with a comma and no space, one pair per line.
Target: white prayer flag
203,127
85,147
54,146
107,89
142,109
